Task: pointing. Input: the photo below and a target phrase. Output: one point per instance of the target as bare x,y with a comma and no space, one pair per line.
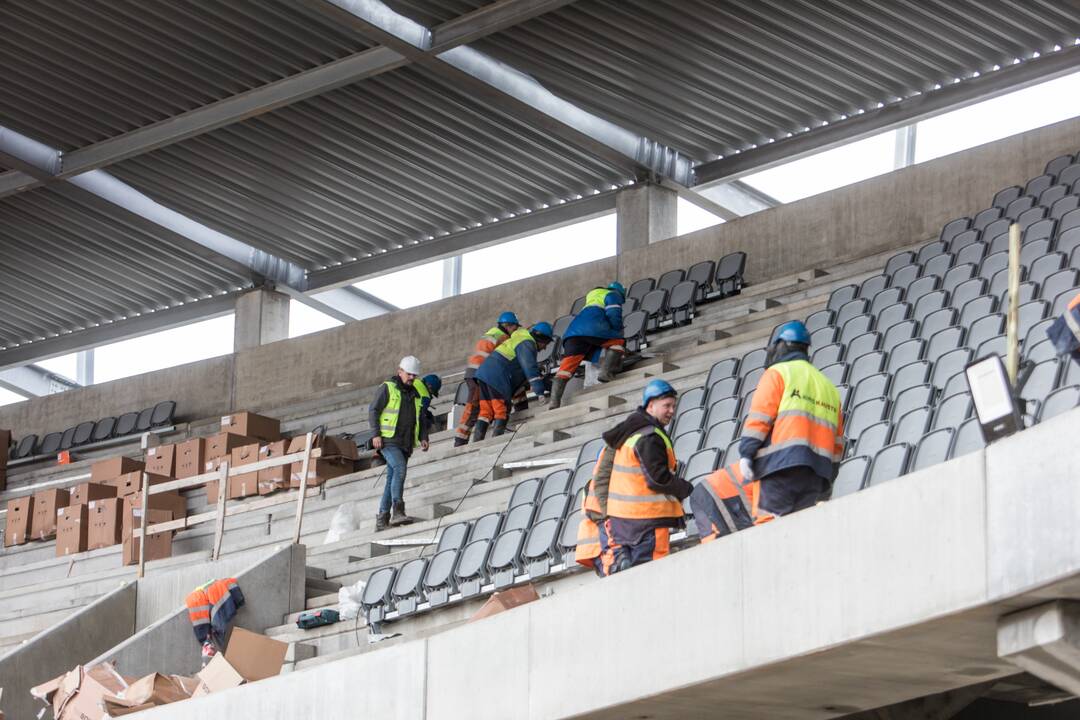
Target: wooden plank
223,493
143,523
303,487
196,480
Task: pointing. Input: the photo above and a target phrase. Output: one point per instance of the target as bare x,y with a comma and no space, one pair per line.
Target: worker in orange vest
593,544
1064,332
644,500
493,338
724,502
792,440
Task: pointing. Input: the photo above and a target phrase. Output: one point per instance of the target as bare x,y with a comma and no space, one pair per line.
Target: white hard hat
410,364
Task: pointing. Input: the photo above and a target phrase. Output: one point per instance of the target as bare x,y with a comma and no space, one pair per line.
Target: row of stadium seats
85,433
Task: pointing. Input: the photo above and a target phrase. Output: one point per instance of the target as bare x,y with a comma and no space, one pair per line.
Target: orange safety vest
205,601
629,496
592,505
727,483
487,343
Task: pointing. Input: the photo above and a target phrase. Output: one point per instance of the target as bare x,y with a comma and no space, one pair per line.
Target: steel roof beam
34,381
347,303
920,107
551,218
511,91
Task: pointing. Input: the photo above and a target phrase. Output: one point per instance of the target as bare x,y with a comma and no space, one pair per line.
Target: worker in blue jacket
512,364
597,333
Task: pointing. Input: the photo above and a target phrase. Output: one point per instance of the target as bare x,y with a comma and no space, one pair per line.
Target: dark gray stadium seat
976,308
568,535
729,274
524,493
1031,250
103,429
968,438
1040,351
956,275
553,506
827,354
911,426
872,438
751,360
750,379
1000,282
943,341
995,230
923,286
1049,269
142,422
929,250
681,302
582,475
948,365
872,386
720,434
993,263
702,273
911,398
1069,175
577,305
408,586
1067,280
889,463
862,344
50,443
541,548
82,434
991,346
722,369
486,527
837,372
1068,221
910,375
851,476
1052,194
639,288
1060,401
842,295
654,304
692,398
937,321
973,254
864,366
1055,166
25,447
723,409
439,578
376,596
983,329
955,384
1043,229
824,336
953,228
556,483
453,537
953,410
904,275
968,290
686,444
898,333
933,448
985,217
1030,217
1042,380
162,413
125,424
1028,291
1067,241
938,265
702,463
891,315
819,319
587,454
561,324
469,574
885,298
1005,196
634,330
906,258
854,327
962,240
872,285
864,415
1064,205
999,243
504,558
1017,206
724,387
1030,313
853,308
929,302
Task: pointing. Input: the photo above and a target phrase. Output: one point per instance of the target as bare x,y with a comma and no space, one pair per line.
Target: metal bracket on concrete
1045,641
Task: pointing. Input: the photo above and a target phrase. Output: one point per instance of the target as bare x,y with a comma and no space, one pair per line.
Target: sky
958,130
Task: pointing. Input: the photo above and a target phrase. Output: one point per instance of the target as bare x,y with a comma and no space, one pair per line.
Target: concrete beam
262,317
451,283
646,213
1045,641
34,381
876,120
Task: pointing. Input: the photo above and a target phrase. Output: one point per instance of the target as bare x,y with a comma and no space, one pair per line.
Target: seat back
890,463
851,476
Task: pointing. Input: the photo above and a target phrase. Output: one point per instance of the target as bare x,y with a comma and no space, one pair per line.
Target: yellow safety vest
389,417
509,348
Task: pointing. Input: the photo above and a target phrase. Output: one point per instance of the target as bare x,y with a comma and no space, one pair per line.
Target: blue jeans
396,465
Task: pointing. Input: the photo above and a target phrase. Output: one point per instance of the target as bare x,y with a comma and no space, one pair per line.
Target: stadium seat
103,429
1069,175
729,274
911,426
962,240
640,288
681,302
587,454
872,438
1061,302
1064,205
582,475
702,273
872,285
567,541
408,586
1052,194
1027,292
504,558
654,305
948,365
991,346
162,414
692,398
824,336
972,253
453,537
518,517
933,448
909,399
819,319
854,327
670,279
1053,281
891,315
983,329
1040,351
50,443
827,354
376,596
469,574
690,419
125,424
1030,217
752,360
904,275
929,302
724,387
720,434
25,447
1030,313
1041,381
577,305
898,333
1068,221
910,375
686,444
956,384
486,527
851,476
439,578
524,493
837,372
919,289
976,308
842,295
556,483
723,409
938,265
956,275
889,463
541,551
872,386
1055,166
865,366
953,228
1017,206
864,415
722,369
968,438
944,340
898,260
1061,400
885,298
1043,229
853,308
930,250
1003,197
987,216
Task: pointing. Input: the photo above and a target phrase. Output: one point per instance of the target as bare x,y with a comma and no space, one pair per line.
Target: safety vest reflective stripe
807,416
388,418
807,412
774,448
629,495
639,498
721,507
486,345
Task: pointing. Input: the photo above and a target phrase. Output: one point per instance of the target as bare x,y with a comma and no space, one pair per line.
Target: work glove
746,467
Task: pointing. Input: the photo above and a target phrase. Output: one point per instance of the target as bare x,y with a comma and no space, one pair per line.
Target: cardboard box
80,694
275,478
146,692
131,483
250,657
252,425
86,492
505,600
222,445
113,468
71,529
190,457
332,447
46,502
245,484
105,523
161,460
319,471
158,545
173,502
19,520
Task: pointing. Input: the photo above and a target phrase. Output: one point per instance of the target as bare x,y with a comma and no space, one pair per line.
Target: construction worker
1064,332
427,387
397,413
724,502
644,500
504,328
793,436
593,548
595,332
507,368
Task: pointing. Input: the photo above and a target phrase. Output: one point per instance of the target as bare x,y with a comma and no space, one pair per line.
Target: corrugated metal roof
75,73
379,164
434,12
68,266
708,78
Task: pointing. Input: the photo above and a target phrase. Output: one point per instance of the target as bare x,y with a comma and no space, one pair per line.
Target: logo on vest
795,394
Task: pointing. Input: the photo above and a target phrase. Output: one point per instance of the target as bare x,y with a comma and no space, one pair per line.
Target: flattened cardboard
332,447
148,691
43,525
18,521
505,600
105,523
83,493
248,423
112,468
255,656
190,457
218,675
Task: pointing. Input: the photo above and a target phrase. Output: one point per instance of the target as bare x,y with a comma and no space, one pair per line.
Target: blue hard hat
617,287
434,384
793,332
508,318
657,389
543,329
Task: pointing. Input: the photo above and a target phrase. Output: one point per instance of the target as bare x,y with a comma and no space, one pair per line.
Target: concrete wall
878,214
77,639
273,587
879,597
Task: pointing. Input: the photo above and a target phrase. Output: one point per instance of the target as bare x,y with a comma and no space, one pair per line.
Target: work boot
399,517
382,521
458,441
558,387
498,428
480,431
610,363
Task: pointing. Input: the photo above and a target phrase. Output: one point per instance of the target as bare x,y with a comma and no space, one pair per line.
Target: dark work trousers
791,489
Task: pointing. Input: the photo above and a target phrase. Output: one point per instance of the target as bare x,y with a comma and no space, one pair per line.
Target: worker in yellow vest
397,414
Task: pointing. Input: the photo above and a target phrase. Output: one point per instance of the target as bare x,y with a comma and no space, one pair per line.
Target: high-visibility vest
486,345
421,389
209,604
508,348
588,542
726,487
796,412
595,298
389,417
629,496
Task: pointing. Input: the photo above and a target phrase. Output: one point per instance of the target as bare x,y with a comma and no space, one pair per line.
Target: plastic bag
343,523
349,600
